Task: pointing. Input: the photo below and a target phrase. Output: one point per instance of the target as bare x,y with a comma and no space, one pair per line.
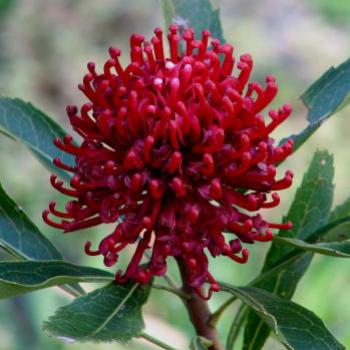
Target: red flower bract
176,153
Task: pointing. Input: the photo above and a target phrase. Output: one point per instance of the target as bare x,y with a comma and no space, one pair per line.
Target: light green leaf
198,14
19,277
326,96
23,122
309,212
200,343
296,327
111,313
335,249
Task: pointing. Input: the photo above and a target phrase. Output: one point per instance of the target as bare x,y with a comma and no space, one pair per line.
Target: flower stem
198,311
156,341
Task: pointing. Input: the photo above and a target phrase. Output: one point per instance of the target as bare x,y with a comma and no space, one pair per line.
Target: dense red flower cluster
176,153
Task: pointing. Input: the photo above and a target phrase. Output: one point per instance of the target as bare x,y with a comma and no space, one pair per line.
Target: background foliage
44,46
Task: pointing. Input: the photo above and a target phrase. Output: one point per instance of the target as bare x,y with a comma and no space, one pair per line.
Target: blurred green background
44,47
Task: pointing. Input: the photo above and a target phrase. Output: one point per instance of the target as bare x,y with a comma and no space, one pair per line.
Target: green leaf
326,96
328,93
337,231
198,14
340,211
19,235
21,238
296,327
23,122
335,249
235,328
111,313
200,343
19,277
310,209
309,212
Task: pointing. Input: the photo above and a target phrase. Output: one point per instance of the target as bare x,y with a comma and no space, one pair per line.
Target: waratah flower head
175,153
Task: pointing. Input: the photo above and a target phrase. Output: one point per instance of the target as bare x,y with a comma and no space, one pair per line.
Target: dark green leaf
329,93
198,14
296,327
23,122
326,96
310,209
200,343
19,277
334,231
340,211
111,313
235,328
309,212
339,231
336,249
21,238
19,234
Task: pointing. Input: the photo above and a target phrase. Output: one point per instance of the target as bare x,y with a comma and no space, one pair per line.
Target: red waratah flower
176,153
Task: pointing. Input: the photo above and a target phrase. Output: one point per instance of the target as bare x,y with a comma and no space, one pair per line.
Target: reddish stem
198,311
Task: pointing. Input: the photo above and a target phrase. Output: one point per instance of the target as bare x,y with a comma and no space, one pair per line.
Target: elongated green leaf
23,122
309,212
340,214
339,232
334,231
329,93
19,234
310,209
340,211
336,249
296,327
111,313
200,343
198,14
19,277
326,96
20,237
235,328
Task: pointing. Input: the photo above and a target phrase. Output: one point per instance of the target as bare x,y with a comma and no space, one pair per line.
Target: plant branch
155,341
198,310
217,314
170,281
71,291
176,291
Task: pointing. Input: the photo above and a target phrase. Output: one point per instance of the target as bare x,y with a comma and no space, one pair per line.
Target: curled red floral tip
176,154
